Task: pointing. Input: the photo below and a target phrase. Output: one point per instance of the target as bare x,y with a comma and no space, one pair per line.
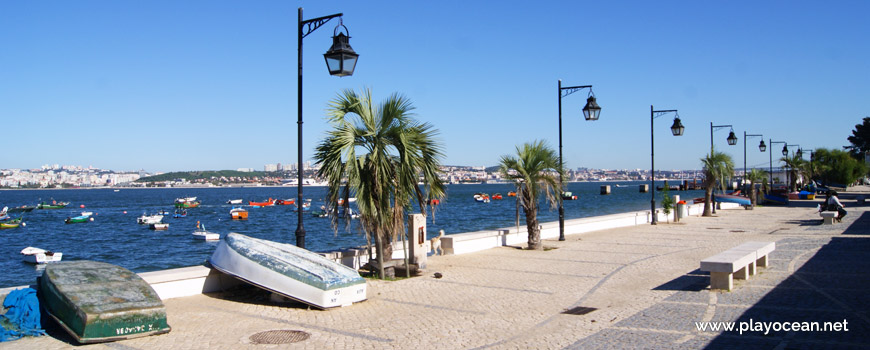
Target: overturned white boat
35,255
290,271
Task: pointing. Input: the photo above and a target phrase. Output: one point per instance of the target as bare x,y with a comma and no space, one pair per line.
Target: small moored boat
290,271
85,217
204,235
13,223
35,255
568,196
52,205
22,209
99,302
180,213
267,203
285,201
149,219
186,202
159,226
239,213
234,201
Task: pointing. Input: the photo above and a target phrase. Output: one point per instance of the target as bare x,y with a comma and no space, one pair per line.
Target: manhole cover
580,310
281,336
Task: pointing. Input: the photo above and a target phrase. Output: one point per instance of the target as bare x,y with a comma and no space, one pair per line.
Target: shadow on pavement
861,225
832,286
694,281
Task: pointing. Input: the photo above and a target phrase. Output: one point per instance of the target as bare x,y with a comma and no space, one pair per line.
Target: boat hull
99,302
727,198
289,271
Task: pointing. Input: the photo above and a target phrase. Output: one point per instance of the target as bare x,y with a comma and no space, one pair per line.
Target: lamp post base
655,219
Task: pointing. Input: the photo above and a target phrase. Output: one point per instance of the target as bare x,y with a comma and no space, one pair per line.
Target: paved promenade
643,283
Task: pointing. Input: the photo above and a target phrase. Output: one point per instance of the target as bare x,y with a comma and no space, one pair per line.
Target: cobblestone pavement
643,283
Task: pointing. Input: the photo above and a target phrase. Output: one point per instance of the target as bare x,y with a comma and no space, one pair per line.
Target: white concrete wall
187,281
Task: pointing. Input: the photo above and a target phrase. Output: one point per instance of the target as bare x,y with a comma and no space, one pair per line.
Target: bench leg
742,274
721,280
751,268
829,221
762,261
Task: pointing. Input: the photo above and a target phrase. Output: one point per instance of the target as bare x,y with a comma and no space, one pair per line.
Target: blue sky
197,85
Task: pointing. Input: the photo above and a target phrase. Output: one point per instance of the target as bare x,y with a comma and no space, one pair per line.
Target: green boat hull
187,205
99,302
51,206
11,223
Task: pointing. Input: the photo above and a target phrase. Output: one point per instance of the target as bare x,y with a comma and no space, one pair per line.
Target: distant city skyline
195,85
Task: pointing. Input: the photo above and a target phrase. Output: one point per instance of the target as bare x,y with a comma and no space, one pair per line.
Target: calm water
116,238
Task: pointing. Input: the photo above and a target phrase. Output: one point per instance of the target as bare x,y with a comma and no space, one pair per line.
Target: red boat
285,201
497,196
269,202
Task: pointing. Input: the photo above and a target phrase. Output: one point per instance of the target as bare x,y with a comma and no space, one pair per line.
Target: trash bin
682,210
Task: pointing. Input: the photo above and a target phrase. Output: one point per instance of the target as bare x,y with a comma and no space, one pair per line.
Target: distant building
246,170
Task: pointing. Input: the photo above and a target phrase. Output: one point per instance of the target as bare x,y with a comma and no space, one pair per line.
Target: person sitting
832,203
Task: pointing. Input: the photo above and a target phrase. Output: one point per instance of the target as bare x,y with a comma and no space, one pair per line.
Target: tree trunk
708,199
752,195
533,229
380,255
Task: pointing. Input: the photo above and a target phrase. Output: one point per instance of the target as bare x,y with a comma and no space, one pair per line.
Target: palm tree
535,171
797,167
381,153
755,176
718,166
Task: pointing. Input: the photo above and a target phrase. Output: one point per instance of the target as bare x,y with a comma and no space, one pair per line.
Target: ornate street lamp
591,112
732,138
770,154
677,129
761,147
341,61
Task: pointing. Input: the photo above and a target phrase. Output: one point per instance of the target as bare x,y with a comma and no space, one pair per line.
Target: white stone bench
828,217
739,262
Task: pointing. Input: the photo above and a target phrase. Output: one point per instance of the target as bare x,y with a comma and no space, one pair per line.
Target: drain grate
580,310
281,336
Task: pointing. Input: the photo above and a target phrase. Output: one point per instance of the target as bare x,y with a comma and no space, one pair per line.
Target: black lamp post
732,138
591,112
770,154
785,154
340,60
677,129
761,147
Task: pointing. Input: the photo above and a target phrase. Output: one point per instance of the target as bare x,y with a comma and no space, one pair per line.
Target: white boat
290,271
234,201
35,255
149,219
159,226
203,234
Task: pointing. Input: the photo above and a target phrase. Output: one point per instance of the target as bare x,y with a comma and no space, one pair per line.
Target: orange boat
239,213
497,196
285,201
269,202
512,194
